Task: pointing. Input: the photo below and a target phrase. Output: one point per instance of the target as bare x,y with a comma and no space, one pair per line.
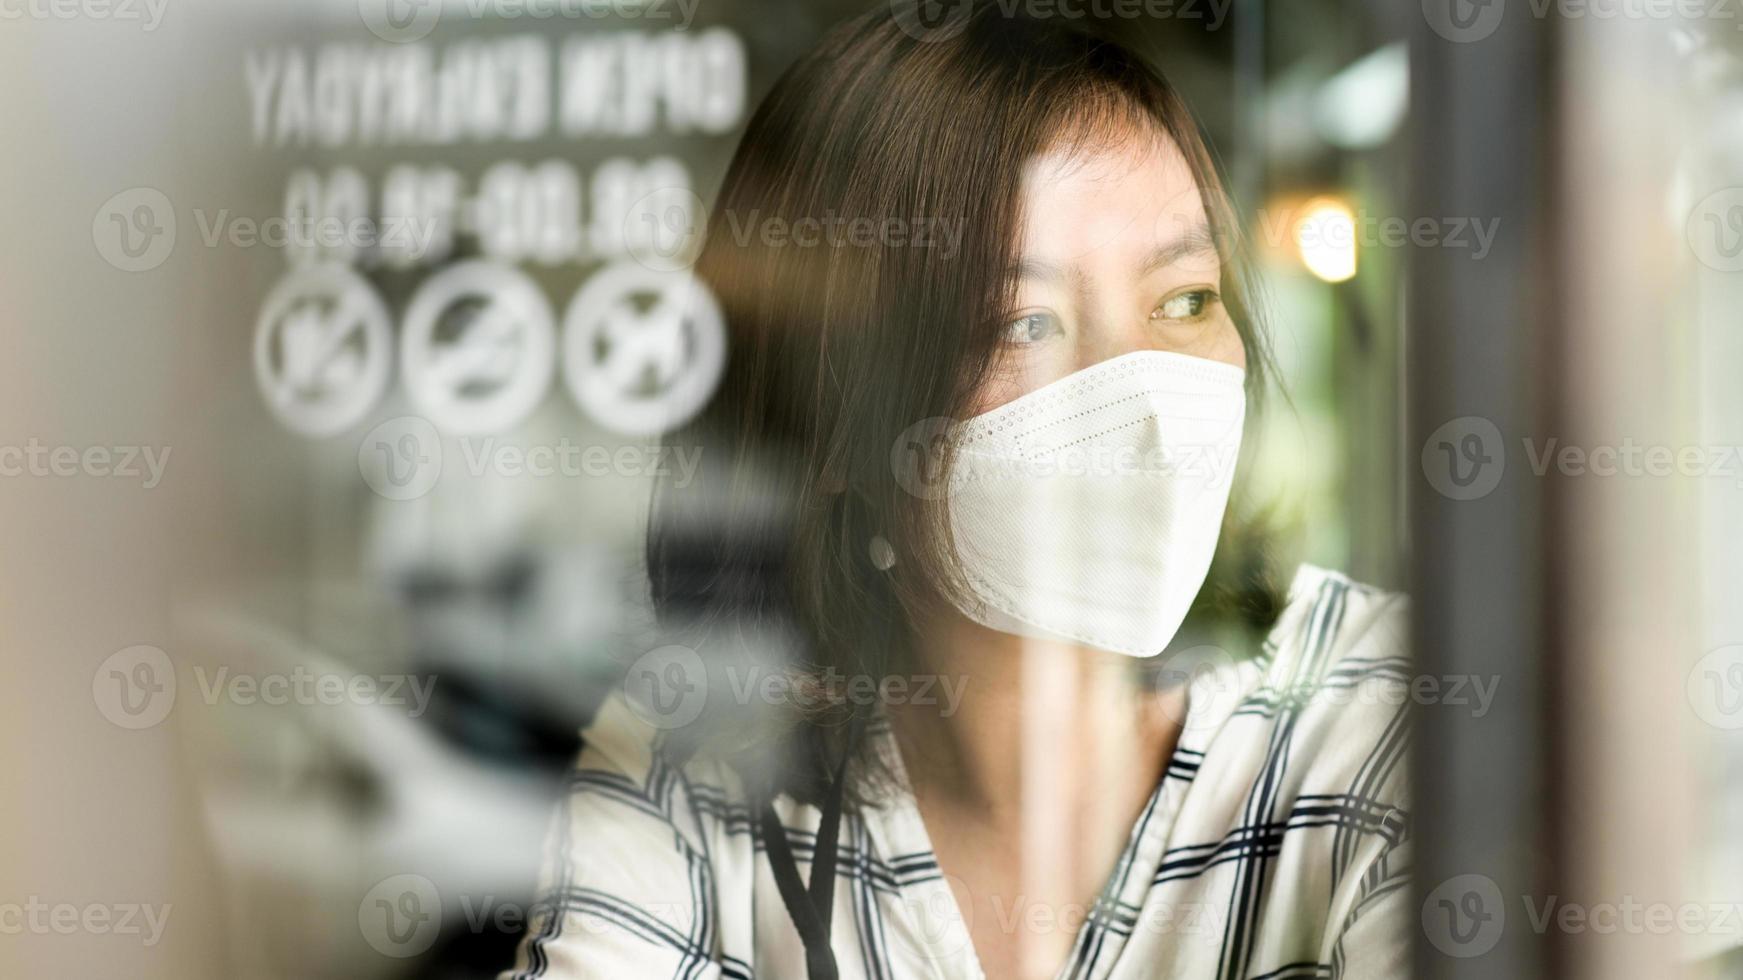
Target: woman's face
1115,255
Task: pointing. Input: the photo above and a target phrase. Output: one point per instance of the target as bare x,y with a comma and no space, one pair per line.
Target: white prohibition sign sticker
323,349
643,349
478,347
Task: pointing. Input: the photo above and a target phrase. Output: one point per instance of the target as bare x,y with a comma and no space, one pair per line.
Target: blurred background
338,335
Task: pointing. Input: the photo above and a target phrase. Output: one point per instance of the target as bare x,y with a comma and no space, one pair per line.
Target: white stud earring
883,554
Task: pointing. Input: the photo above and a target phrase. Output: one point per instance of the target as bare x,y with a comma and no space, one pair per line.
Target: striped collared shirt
1276,845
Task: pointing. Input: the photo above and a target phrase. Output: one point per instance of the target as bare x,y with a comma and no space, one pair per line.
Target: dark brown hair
837,349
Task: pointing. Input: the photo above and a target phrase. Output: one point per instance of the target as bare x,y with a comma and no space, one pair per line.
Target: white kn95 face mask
1088,510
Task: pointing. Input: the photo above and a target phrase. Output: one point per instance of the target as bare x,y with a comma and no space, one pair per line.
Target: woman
940,735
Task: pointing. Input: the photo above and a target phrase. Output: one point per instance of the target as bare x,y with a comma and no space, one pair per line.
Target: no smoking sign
643,349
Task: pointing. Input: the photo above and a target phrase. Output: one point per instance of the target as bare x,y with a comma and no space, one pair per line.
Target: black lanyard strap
811,909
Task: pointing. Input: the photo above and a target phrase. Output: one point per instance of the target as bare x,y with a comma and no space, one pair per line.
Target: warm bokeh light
1325,238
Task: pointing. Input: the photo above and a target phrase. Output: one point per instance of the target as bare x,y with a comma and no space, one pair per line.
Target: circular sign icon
643,349
1715,688
931,20
664,230
135,687
667,687
478,347
400,21
1464,916
1715,230
401,459
1463,21
1464,459
401,916
323,349
135,230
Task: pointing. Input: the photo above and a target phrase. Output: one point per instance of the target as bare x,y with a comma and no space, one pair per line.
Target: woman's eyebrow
1044,271
1195,240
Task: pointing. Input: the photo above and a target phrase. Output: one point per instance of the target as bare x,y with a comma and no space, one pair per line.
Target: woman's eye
1186,306
1033,328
